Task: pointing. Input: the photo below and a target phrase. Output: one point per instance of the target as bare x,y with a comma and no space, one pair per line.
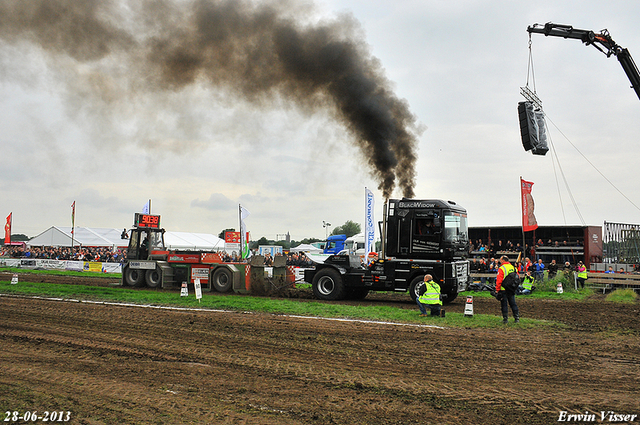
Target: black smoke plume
257,51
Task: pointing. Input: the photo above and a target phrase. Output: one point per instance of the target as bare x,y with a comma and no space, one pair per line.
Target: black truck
418,237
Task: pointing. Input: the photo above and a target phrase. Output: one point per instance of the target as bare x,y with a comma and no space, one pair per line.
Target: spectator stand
598,279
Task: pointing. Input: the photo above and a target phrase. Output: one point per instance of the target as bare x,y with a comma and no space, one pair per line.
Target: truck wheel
222,279
412,288
327,285
450,296
133,277
153,278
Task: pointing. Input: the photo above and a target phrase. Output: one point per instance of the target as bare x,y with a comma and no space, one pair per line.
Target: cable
566,183
530,68
530,72
594,167
555,174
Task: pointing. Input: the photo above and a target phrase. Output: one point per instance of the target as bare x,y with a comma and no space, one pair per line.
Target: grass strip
259,304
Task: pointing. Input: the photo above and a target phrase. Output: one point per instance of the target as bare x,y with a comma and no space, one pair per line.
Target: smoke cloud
259,52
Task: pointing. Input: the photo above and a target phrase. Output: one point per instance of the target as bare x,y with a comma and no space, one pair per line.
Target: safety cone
559,288
468,307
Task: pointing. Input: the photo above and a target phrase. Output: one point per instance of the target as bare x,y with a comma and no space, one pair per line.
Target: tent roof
92,236
85,236
305,248
194,241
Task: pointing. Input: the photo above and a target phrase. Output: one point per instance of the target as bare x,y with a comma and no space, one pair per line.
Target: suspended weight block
532,128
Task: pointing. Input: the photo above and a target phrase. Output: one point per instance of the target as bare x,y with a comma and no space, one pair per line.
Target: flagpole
524,249
241,231
73,223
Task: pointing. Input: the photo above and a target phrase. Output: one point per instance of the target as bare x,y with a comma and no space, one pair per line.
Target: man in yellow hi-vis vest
429,296
507,297
582,275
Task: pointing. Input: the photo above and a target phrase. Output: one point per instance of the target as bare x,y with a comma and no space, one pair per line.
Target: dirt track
110,364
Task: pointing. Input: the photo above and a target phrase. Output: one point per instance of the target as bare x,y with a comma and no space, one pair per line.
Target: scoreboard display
147,221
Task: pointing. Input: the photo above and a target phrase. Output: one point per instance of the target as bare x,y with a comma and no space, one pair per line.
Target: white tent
85,236
305,248
193,241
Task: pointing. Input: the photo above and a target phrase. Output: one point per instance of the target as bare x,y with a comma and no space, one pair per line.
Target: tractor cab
146,237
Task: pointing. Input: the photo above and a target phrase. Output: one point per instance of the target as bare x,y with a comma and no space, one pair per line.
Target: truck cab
426,229
335,244
418,237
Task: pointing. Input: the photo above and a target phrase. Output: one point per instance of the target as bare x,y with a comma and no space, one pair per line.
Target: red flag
7,230
529,222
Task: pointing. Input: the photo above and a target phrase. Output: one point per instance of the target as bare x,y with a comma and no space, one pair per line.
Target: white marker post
198,289
468,307
14,279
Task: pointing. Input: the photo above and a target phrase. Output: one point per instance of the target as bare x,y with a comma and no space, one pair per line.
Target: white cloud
217,201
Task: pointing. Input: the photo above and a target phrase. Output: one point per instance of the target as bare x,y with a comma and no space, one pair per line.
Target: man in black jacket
553,269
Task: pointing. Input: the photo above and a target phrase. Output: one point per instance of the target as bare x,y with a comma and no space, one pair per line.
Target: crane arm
601,41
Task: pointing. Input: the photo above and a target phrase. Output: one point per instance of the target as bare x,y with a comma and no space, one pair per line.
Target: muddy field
108,364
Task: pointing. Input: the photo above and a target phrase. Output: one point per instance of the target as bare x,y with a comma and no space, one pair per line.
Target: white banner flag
244,240
369,227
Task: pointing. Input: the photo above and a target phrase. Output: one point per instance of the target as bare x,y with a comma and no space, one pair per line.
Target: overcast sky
198,152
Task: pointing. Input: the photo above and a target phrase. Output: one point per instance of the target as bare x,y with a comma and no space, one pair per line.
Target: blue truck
335,244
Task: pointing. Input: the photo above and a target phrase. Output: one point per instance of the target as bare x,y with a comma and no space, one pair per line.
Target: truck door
405,230
427,232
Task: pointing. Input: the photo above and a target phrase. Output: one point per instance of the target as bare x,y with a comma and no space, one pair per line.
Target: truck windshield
455,227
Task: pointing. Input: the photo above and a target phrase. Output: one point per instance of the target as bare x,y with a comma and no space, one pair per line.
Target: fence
78,266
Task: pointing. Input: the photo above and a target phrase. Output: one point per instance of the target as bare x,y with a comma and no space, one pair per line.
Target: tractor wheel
133,277
221,279
153,278
328,285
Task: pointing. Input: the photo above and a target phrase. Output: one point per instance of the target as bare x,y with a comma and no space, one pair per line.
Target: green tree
305,241
221,234
349,228
284,244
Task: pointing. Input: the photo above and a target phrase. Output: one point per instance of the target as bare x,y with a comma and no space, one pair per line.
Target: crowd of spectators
495,249
105,255
292,258
234,257
298,260
77,253
535,269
